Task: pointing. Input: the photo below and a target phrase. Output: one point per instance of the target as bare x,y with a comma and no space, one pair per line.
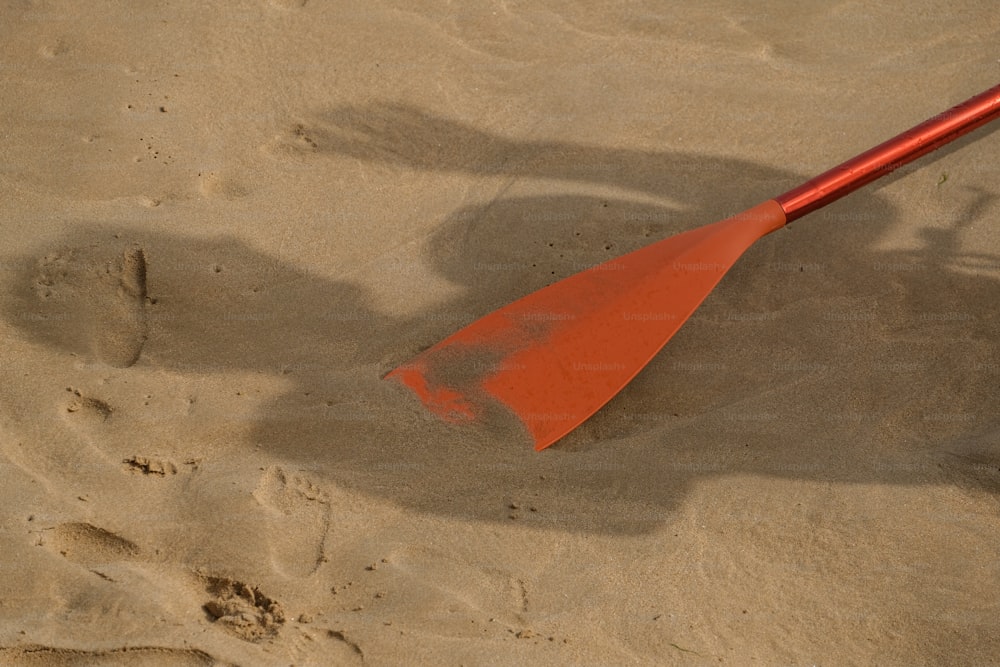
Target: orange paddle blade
555,356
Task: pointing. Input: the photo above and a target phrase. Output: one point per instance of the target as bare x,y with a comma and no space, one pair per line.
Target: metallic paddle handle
892,154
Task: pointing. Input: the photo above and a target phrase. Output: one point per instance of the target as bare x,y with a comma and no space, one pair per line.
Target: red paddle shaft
894,153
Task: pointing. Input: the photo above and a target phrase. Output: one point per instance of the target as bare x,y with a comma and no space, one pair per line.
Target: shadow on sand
816,358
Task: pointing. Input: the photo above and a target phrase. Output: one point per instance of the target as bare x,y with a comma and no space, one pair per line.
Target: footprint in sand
295,143
154,466
96,294
85,409
211,184
150,656
88,416
88,545
298,522
242,610
289,4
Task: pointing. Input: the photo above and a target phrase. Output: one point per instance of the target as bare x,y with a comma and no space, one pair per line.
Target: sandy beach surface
223,223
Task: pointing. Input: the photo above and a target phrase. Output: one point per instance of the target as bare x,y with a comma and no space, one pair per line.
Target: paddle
555,356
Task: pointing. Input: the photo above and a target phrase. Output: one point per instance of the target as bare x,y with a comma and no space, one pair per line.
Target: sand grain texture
223,225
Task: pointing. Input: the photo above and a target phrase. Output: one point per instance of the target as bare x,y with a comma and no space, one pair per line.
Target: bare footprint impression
289,4
89,545
242,610
298,521
101,296
101,552
150,656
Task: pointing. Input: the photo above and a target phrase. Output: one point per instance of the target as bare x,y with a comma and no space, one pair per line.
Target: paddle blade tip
446,403
455,407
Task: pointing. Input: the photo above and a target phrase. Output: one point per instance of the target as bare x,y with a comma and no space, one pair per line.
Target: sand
224,222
